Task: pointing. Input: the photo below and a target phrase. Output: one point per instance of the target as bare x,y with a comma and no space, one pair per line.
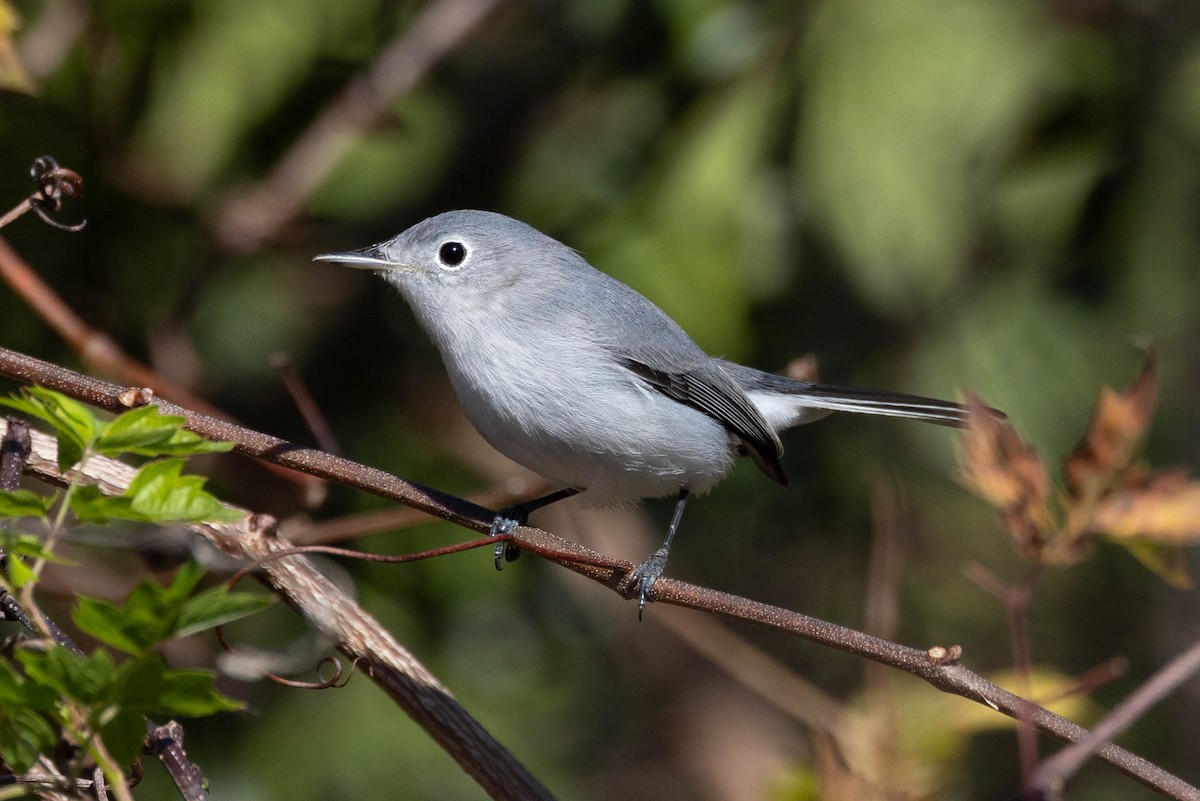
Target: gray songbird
571,373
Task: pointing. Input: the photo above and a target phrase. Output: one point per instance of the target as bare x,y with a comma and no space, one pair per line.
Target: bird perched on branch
580,378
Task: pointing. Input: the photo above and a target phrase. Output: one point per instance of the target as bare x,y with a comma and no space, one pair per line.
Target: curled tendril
53,184
336,681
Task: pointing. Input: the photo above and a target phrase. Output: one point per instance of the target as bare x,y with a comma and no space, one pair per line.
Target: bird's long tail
786,403
827,397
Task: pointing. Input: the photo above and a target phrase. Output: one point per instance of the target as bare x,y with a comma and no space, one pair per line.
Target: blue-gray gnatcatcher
574,375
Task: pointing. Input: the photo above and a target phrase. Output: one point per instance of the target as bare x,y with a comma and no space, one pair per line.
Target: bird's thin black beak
369,258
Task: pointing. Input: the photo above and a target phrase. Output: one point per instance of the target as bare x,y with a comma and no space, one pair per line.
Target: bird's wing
710,390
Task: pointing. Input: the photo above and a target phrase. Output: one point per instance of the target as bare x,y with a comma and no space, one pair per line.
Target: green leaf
20,548
75,425
186,579
16,691
131,632
143,427
26,503
146,685
951,85
186,443
161,493
86,679
29,546
121,697
19,573
123,734
25,736
216,607
141,681
26,731
149,615
92,506
191,693
147,432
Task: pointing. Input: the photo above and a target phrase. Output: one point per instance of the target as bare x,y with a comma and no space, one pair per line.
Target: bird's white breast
570,412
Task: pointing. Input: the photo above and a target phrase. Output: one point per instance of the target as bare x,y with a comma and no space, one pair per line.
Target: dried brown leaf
1118,424
1163,507
1007,473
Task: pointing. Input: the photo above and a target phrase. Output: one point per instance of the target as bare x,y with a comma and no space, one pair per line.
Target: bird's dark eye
452,254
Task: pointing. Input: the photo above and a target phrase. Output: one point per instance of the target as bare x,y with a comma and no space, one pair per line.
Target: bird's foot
645,574
505,523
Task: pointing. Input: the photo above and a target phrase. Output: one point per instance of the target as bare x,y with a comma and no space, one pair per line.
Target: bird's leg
508,518
649,571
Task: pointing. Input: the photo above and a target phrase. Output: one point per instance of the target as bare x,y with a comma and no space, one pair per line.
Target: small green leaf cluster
143,431
160,493
153,613
56,690
49,692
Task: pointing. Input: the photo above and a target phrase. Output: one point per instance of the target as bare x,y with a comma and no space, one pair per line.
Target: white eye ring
452,255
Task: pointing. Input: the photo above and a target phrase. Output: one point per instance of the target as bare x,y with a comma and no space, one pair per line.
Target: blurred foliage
63,707
929,195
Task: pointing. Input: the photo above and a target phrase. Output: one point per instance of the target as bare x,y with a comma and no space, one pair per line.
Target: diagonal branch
98,351
1054,773
250,215
336,616
938,665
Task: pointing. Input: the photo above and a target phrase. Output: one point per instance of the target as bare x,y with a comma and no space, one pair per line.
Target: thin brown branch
94,348
890,523
1015,599
1018,630
116,399
1090,680
1053,774
166,743
16,447
16,212
99,352
310,532
758,671
14,450
305,403
937,665
336,616
251,215
885,564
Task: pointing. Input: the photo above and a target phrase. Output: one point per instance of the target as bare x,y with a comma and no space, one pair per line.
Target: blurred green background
927,194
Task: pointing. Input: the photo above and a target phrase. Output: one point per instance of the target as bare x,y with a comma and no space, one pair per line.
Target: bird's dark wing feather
710,390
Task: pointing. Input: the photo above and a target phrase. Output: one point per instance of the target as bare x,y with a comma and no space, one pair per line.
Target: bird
583,380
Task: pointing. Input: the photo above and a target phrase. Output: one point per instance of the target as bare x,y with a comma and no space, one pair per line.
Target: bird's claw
504,525
646,574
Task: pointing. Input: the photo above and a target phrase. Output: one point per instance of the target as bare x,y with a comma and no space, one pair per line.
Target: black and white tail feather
785,403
